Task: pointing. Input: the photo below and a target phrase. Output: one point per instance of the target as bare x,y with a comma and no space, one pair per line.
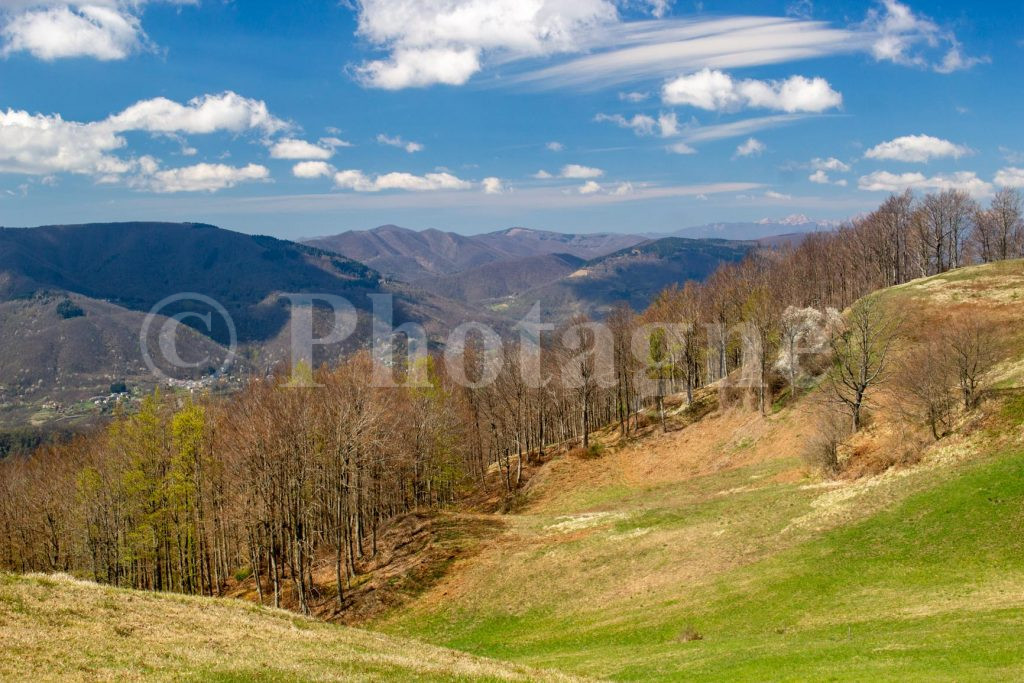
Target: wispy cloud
735,129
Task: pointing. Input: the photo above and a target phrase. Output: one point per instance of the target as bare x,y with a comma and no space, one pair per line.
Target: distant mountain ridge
412,256
757,230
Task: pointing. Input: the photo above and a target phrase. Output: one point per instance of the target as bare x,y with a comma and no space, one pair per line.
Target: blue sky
302,119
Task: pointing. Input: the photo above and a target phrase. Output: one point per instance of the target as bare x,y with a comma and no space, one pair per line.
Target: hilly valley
712,549
414,256
633,276
73,300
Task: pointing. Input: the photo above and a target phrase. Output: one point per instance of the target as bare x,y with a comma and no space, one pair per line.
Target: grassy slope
57,628
914,574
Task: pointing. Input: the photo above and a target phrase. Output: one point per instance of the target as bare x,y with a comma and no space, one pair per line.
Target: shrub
68,309
822,449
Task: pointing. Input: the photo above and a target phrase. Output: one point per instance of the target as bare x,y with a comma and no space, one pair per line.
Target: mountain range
411,256
74,298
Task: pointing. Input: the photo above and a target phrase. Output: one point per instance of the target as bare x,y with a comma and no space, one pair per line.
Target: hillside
713,552
634,276
409,255
58,628
73,299
413,256
503,278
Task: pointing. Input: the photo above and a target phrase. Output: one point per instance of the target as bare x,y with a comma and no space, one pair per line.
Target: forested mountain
73,300
502,279
414,256
633,276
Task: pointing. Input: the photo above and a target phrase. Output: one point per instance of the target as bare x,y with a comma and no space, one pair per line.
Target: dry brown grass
59,628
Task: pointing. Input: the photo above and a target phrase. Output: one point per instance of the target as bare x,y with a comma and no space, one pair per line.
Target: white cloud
821,177
543,175
397,141
830,164
884,181
578,172
900,36
37,144
199,178
41,145
431,182
289,148
1010,177
735,129
771,194
917,149
56,29
634,97
443,41
623,189
641,124
629,52
681,148
227,111
312,169
334,143
590,187
717,91
493,186
751,148
666,125
555,147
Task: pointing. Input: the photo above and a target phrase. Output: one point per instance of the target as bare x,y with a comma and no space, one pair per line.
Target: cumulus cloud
543,175
884,181
578,172
751,148
821,177
903,37
493,186
56,29
226,111
717,91
397,141
39,144
1010,177
590,187
312,169
555,147
357,181
830,164
36,144
444,41
290,148
917,149
199,178
772,194
681,148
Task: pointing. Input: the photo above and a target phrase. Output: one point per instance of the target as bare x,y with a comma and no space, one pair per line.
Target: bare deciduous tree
860,355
